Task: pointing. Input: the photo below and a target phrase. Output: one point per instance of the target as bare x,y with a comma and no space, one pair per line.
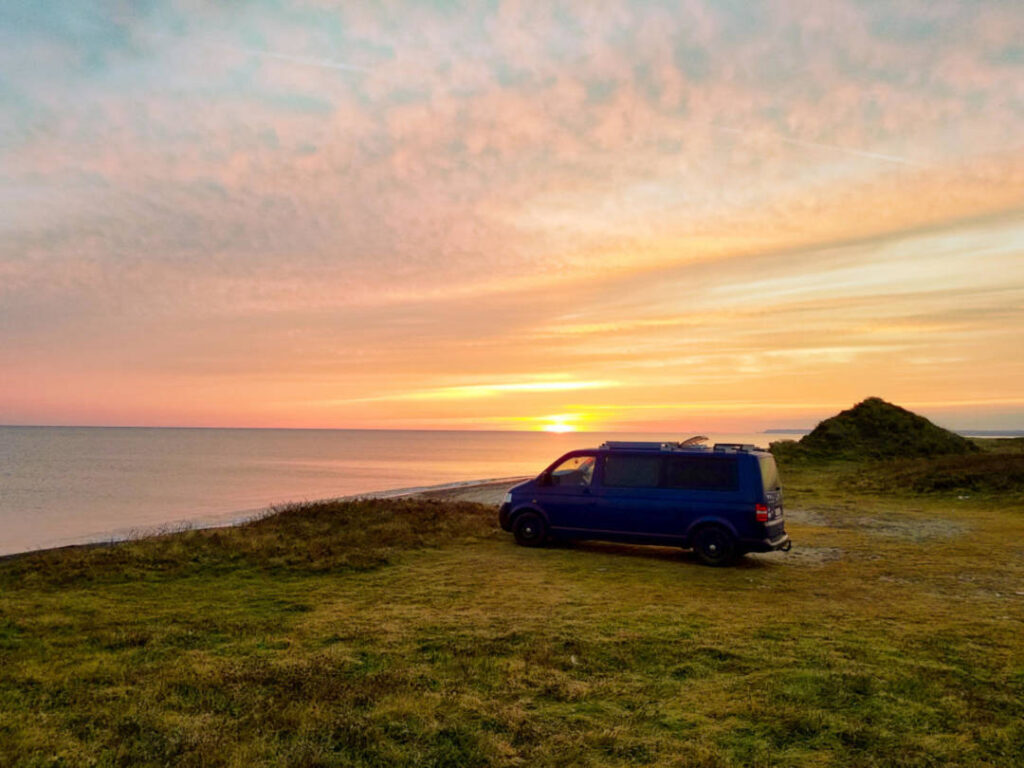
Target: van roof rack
735,448
691,444
630,445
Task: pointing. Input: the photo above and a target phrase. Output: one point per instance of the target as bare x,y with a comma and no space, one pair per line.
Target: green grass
875,429
416,633
992,475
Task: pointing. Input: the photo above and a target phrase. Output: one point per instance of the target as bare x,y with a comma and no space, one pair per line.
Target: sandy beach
477,491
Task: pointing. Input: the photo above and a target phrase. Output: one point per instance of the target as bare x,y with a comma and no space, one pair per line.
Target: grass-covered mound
324,537
875,429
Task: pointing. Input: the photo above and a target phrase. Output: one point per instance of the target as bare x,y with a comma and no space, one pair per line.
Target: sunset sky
688,216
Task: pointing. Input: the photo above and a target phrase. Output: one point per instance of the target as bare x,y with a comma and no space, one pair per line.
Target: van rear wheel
530,530
714,545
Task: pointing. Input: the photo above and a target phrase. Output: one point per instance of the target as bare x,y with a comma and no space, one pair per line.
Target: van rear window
703,473
632,471
769,473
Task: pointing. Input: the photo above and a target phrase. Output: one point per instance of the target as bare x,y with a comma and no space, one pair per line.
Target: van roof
682,447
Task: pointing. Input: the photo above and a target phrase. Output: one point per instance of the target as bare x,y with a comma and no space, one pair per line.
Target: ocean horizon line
1009,432
391,429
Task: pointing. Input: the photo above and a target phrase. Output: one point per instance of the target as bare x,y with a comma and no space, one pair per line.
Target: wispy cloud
283,56
819,145
474,391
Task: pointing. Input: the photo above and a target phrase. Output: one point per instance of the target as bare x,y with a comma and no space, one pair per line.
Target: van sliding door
630,500
703,486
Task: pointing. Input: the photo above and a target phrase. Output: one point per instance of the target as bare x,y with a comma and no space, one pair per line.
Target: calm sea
69,485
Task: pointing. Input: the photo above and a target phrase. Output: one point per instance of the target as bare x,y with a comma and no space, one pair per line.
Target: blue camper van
721,502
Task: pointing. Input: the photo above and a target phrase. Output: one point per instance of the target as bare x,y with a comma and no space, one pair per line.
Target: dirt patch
800,556
911,530
807,516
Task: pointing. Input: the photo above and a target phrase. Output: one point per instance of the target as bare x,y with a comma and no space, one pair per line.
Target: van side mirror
544,478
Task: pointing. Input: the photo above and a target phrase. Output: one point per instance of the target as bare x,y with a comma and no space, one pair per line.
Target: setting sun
558,428
562,422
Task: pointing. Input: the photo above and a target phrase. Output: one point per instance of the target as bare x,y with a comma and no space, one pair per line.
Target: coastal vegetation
891,450
414,632
875,428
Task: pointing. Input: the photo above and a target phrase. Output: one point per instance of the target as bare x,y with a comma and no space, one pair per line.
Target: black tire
530,530
714,545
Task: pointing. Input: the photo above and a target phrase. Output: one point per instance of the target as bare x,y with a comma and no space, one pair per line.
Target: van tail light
762,513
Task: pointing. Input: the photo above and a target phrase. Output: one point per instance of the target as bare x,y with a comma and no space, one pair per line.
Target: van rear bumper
767,545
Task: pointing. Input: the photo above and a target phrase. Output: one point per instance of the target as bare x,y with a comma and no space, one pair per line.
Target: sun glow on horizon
559,423
558,428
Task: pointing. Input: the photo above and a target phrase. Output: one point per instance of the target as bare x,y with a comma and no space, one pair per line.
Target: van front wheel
714,545
530,529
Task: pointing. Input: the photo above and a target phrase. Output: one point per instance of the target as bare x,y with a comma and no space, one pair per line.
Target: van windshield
769,473
578,470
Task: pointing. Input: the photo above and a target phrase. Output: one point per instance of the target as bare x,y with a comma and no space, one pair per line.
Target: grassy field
416,633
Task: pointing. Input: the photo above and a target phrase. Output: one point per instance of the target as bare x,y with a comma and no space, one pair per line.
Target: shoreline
481,491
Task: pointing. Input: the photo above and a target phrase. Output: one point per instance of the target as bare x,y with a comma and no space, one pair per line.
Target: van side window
578,471
632,471
703,473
